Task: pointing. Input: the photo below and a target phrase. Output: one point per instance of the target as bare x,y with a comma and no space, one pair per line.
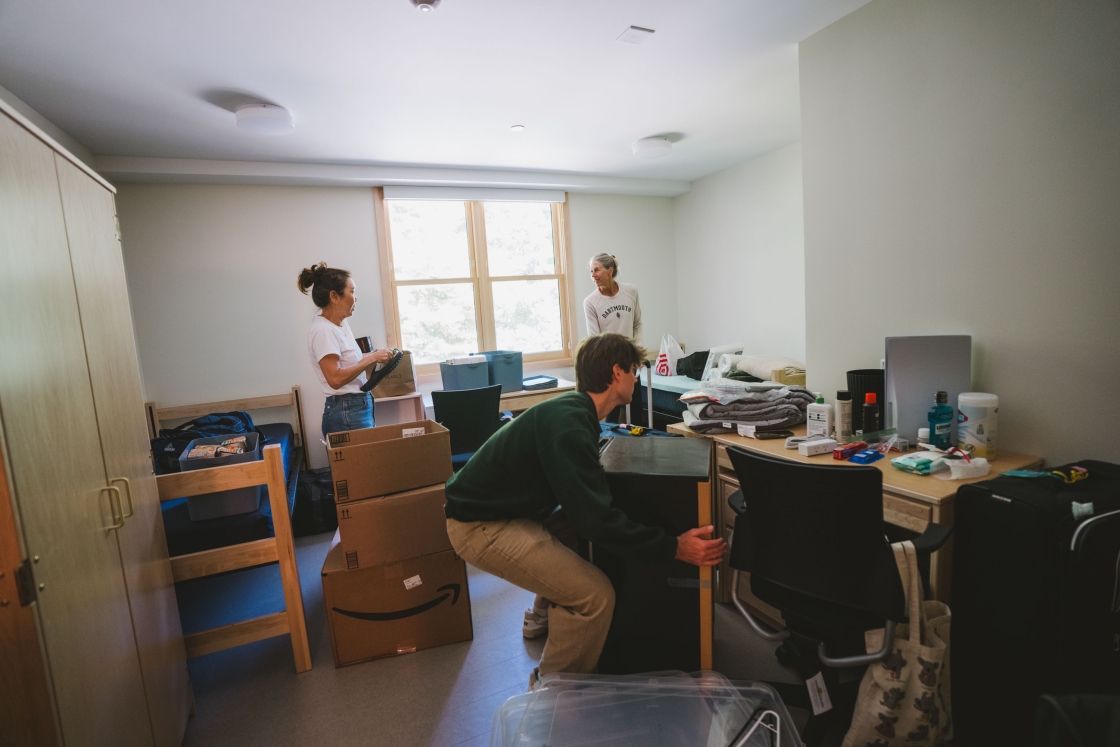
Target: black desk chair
811,536
472,416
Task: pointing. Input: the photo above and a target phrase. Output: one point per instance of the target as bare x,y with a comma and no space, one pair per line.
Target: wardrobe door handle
128,494
118,517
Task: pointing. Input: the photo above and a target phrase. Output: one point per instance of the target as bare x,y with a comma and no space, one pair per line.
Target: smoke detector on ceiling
425,6
652,147
264,119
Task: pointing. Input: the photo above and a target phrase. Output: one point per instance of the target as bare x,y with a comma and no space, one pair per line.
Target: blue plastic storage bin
464,375
505,369
223,502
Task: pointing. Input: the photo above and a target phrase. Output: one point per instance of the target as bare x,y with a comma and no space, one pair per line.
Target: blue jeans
347,412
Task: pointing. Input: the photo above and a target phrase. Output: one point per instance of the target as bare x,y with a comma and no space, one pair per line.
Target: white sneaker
534,678
535,625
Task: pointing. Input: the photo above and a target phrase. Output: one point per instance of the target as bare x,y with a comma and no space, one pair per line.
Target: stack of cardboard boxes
391,581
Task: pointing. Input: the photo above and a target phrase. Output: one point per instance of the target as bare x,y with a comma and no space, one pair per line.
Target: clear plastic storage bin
654,710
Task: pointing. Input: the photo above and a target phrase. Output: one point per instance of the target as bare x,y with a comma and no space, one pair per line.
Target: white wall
212,279
740,257
961,177
212,271
638,231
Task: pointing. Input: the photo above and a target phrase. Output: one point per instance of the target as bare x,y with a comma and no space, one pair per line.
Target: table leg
941,562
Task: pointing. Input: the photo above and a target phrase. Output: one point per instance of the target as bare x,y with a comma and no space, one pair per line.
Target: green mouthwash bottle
940,422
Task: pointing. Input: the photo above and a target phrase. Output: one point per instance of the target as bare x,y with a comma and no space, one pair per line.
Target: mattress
185,536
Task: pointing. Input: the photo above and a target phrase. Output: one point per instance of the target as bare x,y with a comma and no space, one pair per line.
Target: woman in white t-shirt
612,306
338,362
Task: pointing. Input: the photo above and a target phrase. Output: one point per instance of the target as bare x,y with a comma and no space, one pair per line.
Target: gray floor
445,696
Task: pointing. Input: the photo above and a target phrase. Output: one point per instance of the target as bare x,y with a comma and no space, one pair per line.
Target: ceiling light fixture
425,6
652,147
264,119
518,128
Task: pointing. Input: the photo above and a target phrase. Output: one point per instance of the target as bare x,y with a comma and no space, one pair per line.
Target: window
470,276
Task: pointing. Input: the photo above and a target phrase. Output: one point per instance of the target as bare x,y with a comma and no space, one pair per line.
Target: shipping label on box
371,462
395,609
376,531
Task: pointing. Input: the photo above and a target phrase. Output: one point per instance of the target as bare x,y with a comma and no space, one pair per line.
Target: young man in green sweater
549,456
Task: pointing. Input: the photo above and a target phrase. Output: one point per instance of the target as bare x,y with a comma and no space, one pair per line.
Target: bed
207,548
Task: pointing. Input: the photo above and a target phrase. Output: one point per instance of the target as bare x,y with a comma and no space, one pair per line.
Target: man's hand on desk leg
693,548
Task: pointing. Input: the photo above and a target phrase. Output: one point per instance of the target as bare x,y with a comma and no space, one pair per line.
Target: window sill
426,380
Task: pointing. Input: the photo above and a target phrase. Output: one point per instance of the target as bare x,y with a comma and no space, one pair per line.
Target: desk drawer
727,485
906,512
725,523
722,460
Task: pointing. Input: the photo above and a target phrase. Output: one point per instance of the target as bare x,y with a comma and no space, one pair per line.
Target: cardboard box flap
383,433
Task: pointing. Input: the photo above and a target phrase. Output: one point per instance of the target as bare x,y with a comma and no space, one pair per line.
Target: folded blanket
725,391
750,412
731,426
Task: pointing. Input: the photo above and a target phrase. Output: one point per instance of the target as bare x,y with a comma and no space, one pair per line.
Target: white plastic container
977,423
819,418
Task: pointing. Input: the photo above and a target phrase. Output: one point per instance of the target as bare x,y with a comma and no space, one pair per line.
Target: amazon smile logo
452,591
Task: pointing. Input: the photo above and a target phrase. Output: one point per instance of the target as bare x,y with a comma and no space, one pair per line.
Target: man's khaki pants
526,554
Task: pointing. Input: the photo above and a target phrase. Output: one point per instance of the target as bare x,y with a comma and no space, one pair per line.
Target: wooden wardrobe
91,648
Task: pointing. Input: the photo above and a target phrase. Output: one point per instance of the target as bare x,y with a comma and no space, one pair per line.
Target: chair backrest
817,530
472,415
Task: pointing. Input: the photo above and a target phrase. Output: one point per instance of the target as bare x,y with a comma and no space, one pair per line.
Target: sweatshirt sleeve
637,319
591,317
571,464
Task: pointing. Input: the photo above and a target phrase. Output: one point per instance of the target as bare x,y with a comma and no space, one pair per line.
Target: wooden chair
278,549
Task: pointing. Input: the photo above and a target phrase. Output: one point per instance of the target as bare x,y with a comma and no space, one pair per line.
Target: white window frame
482,283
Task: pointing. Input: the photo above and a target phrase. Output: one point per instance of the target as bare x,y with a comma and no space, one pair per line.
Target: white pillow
763,365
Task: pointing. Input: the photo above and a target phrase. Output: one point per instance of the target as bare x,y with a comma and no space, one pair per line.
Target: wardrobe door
115,374
57,473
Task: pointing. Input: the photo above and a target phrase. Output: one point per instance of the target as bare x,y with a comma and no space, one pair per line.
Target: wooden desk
516,402
523,400
909,501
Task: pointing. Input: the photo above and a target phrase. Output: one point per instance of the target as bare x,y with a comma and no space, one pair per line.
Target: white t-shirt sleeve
324,342
637,317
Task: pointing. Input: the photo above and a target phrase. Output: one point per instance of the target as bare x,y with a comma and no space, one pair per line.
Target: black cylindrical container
860,382
365,344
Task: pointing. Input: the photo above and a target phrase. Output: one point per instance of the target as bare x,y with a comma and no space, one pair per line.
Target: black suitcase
314,512
1036,598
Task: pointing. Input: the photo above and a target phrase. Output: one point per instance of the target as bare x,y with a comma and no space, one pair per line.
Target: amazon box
370,462
394,527
395,608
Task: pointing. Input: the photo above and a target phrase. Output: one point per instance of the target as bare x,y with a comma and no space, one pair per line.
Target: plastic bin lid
700,710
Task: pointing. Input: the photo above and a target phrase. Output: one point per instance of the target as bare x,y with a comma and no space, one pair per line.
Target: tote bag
904,699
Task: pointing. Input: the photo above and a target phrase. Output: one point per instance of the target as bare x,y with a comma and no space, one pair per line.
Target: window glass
437,321
527,315
519,238
429,239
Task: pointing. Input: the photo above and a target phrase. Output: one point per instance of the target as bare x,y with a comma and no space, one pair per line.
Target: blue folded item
539,382
867,456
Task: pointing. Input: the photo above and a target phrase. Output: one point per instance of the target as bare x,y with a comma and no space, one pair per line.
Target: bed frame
279,549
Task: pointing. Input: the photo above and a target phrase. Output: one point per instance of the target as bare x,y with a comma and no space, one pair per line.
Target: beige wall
740,257
212,272
962,175
638,231
212,279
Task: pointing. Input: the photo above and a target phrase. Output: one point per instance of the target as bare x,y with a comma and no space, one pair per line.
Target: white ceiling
377,82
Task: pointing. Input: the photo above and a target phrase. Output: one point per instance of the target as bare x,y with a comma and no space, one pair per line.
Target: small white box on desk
814,448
